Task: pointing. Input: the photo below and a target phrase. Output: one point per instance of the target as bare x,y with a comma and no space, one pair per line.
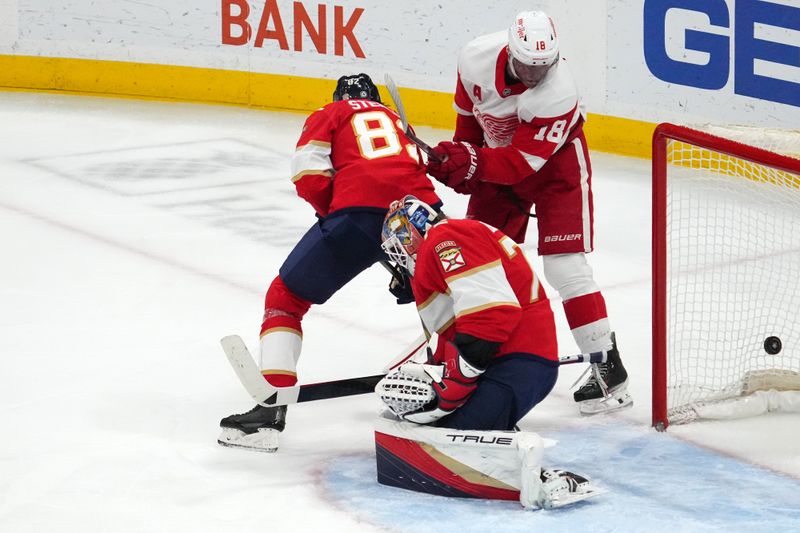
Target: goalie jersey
471,278
353,153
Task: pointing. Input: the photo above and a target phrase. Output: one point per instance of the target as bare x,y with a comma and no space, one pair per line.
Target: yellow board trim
273,91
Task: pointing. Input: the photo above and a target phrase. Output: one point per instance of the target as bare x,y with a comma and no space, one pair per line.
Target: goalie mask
532,47
404,230
357,86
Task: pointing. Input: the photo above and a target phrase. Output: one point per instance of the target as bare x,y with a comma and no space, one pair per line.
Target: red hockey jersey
353,153
471,278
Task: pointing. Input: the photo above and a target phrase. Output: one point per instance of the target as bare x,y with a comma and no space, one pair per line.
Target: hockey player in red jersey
497,354
496,358
351,161
518,142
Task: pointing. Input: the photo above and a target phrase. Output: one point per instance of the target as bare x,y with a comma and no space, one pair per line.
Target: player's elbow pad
476,351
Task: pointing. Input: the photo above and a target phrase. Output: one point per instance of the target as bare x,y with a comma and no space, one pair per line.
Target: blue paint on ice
656,483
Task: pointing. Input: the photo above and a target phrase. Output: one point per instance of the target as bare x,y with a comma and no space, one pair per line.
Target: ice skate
560,488
606,389
257,429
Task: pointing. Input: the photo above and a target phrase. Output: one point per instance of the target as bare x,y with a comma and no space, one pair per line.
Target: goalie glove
443,388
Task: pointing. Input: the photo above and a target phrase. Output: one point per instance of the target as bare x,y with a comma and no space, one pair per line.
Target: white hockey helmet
404,230
532,39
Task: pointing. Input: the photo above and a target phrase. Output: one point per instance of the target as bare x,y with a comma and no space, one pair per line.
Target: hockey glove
453,383
460,165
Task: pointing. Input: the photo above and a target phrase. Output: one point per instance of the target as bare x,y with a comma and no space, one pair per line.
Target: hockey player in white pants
519,142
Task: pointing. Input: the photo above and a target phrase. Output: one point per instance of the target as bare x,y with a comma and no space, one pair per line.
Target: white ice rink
135,234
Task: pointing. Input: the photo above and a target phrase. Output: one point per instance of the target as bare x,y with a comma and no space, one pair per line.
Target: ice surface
136,234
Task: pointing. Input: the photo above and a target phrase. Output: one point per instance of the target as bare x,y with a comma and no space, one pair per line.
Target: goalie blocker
499,465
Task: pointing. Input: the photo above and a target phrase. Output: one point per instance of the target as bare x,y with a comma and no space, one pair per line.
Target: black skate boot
607,387
257,429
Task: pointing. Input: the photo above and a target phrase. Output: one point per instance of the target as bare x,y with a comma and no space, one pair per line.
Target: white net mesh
733,265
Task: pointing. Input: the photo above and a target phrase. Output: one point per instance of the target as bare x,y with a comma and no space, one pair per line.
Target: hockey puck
772,345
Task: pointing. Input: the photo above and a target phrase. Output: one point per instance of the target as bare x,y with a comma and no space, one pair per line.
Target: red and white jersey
536,122
353,153
471,278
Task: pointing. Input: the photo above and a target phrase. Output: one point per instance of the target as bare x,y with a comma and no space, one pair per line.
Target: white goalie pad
502,465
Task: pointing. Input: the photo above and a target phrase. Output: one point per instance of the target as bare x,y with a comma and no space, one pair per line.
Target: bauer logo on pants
451,259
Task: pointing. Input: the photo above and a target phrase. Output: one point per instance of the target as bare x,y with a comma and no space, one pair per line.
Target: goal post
725,272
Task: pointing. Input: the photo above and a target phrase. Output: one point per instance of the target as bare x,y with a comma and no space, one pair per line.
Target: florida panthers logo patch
451,258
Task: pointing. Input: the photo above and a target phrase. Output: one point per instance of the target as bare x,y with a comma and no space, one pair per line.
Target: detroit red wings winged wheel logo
450,256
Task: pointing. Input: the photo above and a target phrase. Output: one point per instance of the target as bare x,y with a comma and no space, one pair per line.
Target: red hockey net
726,272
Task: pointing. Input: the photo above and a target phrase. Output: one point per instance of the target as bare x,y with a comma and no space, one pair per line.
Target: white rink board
723,45
417,43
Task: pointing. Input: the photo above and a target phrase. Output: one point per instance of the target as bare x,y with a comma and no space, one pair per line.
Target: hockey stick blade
265,394
398,103
250,375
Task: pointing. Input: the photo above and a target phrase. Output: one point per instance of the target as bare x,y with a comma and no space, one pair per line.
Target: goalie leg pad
501,465
447,462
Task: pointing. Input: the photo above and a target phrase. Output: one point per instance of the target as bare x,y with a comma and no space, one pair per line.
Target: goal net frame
660,164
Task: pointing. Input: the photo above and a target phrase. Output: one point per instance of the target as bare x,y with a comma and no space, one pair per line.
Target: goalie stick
265,394
398,103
